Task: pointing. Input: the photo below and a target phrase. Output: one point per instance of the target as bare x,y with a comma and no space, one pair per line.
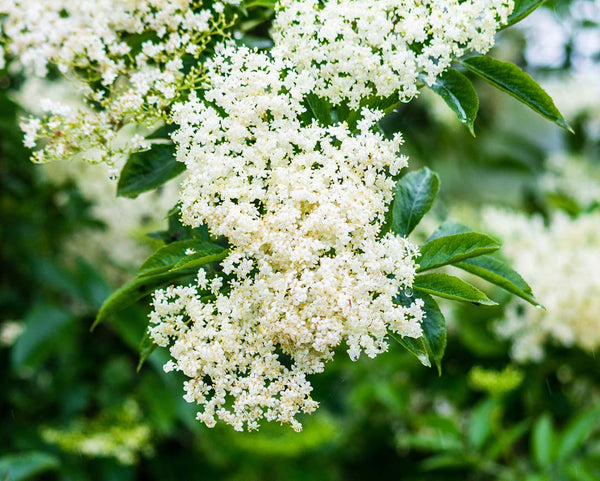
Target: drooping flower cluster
129,58
302,207
353,49
301,204
567,249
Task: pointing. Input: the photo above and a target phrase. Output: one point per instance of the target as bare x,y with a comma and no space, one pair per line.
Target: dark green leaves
512,80
454,248
577,433
413,197
459,94
147,170
433,342
133,291
434,330
416,346
522,9
43,323
497,271
450,287
166,265
320,109
182,255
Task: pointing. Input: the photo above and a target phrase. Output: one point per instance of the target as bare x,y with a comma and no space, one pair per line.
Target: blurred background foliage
73,406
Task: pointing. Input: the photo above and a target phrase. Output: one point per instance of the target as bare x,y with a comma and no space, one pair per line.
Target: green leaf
450,287
147,170
198,259
496,270
320,108
511,79
21,466
43,327
454,248
542,441
522,9
505,442
173,256
416,346
434,330
134,290
413,197
147,347
479,428
459,94
577,432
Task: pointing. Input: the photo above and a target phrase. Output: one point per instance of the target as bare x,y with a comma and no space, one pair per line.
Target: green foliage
470,424
148,170
413,197
459,94
522,9
454,248
511,79
451,287
434,330
496,270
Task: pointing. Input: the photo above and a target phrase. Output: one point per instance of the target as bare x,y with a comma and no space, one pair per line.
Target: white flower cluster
128,56
561,261
302,207
354,49
577,177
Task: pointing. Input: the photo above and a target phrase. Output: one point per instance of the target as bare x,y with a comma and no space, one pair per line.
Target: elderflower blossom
129,58
302,207
561,261
354,49
574,176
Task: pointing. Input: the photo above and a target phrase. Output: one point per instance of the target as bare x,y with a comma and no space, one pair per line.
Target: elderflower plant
295,216
301,207
131,60
354,49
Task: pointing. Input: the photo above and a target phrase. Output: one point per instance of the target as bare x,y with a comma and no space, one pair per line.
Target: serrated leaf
148,170
458,93
496,270
542,442
450,287
454,248
511,79
174,254
577,433
434,330
413,197
416,346
25,465
522,9
135,290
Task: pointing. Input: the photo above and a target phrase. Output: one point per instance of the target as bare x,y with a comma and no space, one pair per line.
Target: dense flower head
566,249
302,207
353,49
131,59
